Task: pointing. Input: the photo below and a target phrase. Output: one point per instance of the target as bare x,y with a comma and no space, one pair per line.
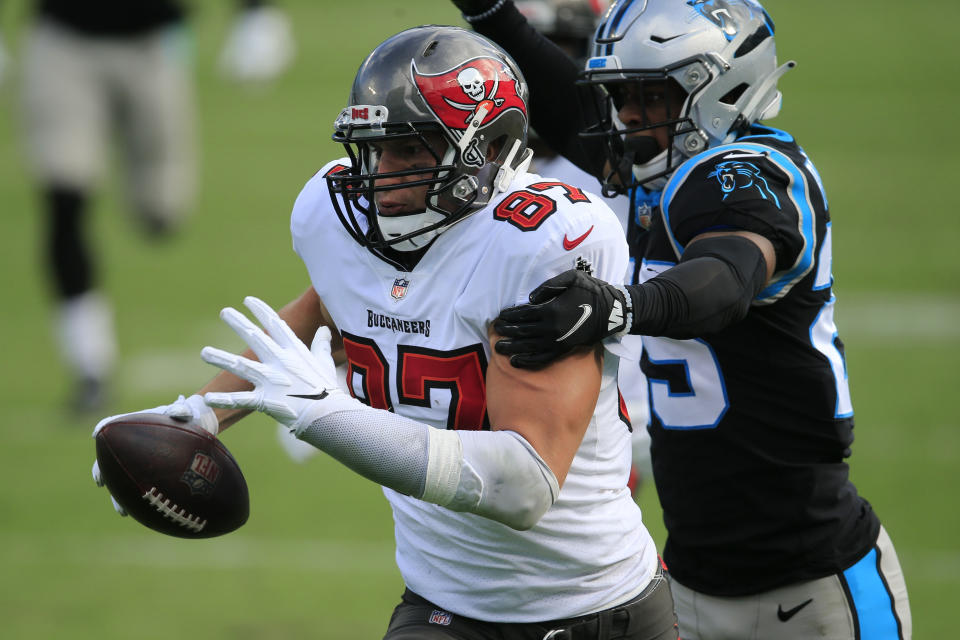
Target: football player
508,486
101,68
752,420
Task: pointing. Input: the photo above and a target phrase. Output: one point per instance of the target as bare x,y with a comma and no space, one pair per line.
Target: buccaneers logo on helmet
456,95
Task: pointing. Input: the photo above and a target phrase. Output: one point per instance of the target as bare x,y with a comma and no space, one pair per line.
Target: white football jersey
416,344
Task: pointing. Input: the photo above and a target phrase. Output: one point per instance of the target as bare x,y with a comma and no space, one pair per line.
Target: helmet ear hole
496,150
753,41
731,97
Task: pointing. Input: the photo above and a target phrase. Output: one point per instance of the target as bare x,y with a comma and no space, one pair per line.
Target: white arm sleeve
494,474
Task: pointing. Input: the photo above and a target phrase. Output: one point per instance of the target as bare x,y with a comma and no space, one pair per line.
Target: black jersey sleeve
748,187
557,103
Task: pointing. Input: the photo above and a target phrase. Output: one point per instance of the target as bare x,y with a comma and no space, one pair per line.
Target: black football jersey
751,426
112,18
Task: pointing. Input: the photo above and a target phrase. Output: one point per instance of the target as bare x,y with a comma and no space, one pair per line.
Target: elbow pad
494,474
709,289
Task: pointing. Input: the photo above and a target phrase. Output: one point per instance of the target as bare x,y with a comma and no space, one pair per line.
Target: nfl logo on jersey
441,617
399,288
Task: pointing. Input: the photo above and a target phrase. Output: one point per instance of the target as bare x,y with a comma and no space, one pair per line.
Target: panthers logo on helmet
725,13
734,174
455,95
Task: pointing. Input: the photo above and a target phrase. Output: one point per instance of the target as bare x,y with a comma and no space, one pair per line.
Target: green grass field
872,101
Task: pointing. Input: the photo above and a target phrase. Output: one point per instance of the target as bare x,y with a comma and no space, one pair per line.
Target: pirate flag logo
455,95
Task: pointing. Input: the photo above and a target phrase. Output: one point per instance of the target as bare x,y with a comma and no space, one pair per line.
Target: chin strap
507,171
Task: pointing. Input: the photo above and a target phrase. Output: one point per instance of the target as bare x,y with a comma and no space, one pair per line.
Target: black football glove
567,311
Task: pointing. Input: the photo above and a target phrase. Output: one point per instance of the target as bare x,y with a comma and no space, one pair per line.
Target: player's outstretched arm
710,288
508,474
305,315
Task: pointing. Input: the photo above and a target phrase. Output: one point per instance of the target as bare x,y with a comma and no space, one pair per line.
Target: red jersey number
420,374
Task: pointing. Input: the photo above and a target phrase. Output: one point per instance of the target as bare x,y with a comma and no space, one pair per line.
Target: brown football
172,476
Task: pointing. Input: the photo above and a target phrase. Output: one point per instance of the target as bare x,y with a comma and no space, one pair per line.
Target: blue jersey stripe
871,599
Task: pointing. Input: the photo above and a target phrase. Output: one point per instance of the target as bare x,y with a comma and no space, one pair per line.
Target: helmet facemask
360,186
659,134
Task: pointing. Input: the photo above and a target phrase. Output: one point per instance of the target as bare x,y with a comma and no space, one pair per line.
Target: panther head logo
736,175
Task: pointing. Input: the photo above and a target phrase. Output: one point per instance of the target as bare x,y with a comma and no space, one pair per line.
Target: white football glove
291,384
192,409
260,45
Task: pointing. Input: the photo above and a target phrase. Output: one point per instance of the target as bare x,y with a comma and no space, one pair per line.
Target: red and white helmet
431,79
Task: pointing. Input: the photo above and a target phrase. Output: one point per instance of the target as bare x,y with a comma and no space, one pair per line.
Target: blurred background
873,103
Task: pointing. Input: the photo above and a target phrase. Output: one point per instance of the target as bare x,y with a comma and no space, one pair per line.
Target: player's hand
473,7
292,384
260,45
192,409
567,311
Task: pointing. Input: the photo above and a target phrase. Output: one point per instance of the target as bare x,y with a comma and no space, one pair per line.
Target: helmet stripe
613,24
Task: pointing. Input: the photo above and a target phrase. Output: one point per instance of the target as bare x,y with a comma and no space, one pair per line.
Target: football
173,477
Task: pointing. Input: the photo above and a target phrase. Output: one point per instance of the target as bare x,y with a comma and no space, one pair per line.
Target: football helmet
430,79
720,53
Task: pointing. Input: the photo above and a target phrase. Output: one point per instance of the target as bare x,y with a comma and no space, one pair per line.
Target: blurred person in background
751,415
102,71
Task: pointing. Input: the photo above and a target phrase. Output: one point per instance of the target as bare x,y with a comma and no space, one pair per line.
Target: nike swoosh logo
789,613
309,396
661,40
587,310
571,244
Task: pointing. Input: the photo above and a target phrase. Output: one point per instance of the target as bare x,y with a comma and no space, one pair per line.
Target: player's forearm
494,474
709,289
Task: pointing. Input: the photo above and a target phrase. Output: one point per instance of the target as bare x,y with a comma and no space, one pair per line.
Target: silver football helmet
430,79
720,53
